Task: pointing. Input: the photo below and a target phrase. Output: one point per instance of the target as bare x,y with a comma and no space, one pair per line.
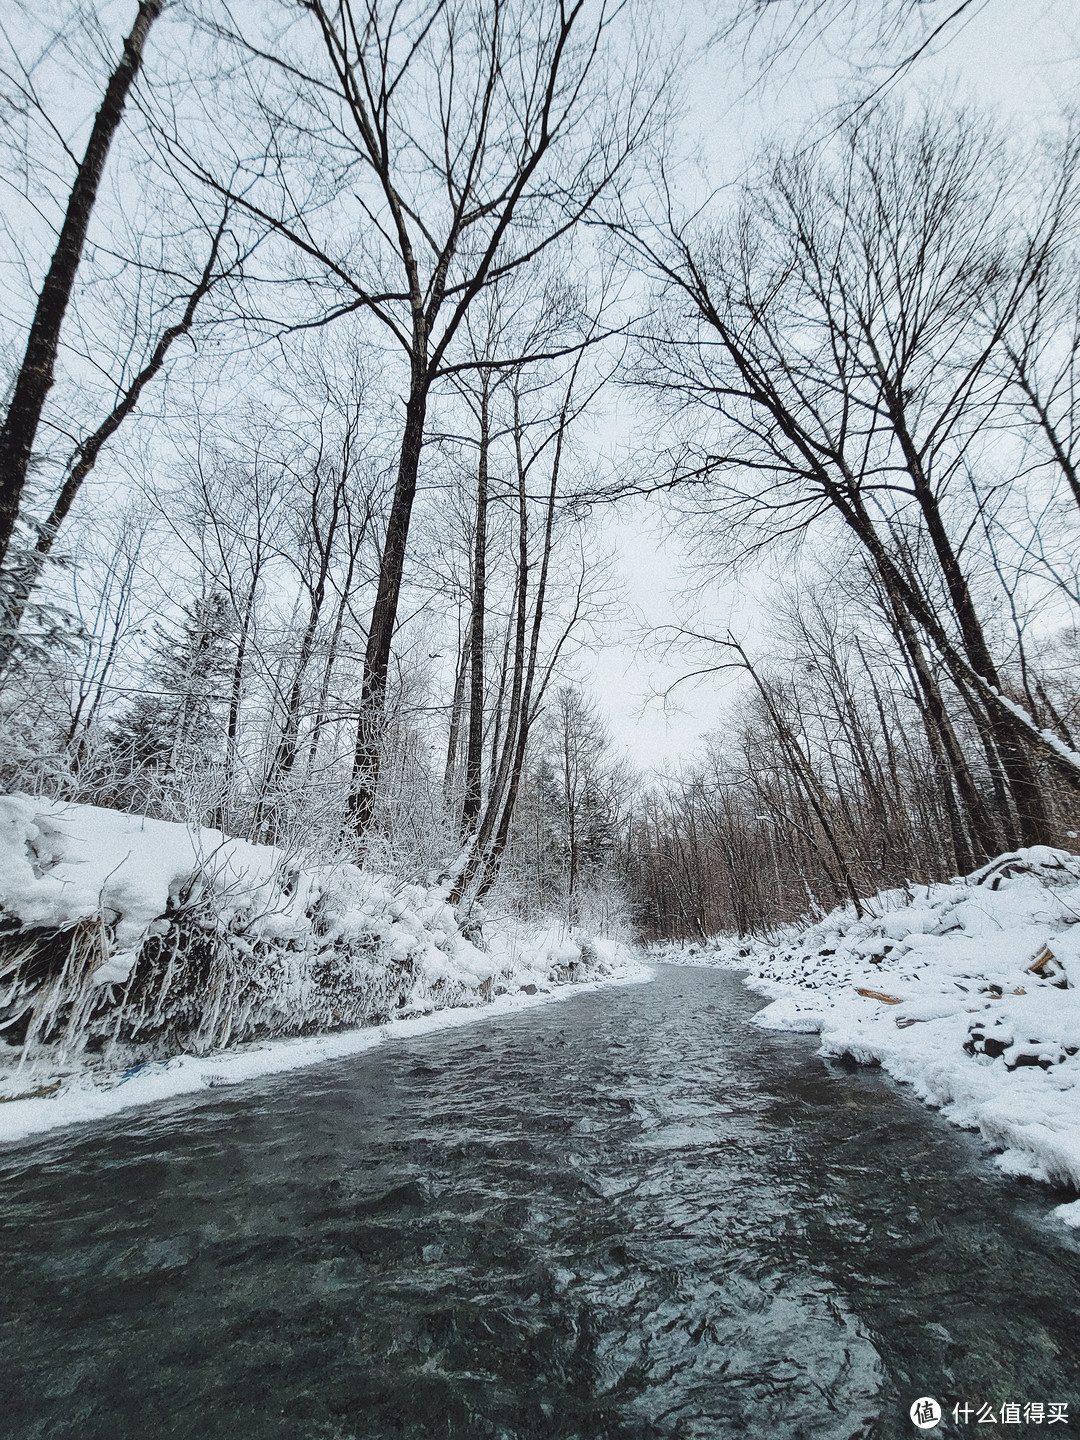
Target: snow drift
967,990
125,940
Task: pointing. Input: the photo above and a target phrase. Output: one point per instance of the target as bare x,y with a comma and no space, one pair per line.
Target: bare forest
337,335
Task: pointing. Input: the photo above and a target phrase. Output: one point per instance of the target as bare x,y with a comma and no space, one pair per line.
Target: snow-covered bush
142,938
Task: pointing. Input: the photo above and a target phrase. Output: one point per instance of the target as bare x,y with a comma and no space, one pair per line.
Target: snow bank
85,1096
969,991
128,943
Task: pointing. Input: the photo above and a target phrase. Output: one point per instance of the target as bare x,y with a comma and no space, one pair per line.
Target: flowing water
628,1215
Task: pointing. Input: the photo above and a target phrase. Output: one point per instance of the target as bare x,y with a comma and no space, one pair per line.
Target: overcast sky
1018,57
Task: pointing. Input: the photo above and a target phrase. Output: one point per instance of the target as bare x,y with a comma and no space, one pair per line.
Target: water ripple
627,1217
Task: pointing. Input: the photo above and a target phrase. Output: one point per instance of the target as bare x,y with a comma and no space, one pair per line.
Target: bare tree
843,337
35,375
540,440
1041,343
474,138
331,504
19,580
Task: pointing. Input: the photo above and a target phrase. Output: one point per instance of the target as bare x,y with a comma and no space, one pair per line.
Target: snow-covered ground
969,991
141,959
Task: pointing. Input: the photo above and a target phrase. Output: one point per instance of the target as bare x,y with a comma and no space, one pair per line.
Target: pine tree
177,720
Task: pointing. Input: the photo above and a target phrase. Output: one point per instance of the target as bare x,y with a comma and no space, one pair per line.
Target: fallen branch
878,995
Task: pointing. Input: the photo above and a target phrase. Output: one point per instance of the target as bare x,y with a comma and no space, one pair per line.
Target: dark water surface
628,1215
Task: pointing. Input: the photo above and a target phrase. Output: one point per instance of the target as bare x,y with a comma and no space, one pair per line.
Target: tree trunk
37,371
319,722
491,858
500,694
518,708
236,681
474,755
941,736
457,705
285,752
1016,726
1008,739
368,752
1015,759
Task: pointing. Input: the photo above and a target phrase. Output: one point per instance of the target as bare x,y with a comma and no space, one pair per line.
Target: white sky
1018,57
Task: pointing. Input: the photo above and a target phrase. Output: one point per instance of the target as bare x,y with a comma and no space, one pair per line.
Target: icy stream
630,1215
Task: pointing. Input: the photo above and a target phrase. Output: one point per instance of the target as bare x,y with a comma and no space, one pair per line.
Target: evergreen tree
177,721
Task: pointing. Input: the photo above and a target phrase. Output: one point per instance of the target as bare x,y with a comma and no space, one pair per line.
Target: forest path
628,1215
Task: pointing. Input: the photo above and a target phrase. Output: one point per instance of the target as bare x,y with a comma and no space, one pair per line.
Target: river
628,1215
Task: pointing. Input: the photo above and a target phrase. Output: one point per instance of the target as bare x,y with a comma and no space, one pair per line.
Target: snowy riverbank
83,1097
141,959
969,991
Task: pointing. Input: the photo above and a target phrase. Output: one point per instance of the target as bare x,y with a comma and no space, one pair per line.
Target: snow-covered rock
968,990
